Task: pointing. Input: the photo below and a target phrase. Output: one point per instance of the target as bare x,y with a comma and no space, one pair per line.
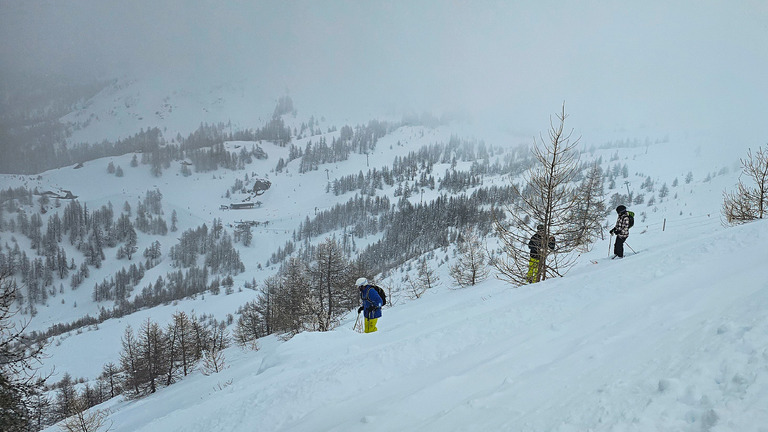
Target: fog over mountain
216,158
685,66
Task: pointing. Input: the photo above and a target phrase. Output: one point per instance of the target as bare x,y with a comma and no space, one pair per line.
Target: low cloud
689,64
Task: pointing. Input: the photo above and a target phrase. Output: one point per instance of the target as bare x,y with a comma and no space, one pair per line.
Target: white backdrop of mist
682,66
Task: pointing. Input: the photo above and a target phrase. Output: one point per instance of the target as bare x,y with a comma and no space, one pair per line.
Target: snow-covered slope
673,338
175,104
670,339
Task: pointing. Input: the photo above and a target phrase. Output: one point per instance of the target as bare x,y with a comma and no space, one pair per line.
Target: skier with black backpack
373,299
624,222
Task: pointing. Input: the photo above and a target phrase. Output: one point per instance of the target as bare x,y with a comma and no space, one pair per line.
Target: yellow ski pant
370,325
533,270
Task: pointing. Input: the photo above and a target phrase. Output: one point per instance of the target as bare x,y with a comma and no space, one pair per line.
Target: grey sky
689,63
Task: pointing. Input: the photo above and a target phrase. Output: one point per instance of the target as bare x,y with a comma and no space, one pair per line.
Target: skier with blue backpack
373,299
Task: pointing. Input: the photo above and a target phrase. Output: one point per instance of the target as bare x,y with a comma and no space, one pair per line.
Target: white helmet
361,282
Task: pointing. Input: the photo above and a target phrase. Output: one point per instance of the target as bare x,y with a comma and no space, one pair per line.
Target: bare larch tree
589,210
330,285
471,266
749,203
548,198
20,359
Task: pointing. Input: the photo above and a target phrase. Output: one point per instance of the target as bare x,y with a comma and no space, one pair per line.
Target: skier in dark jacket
621,230
372,303
536,244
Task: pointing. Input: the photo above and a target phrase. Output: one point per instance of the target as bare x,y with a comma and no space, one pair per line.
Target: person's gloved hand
612,231
360,309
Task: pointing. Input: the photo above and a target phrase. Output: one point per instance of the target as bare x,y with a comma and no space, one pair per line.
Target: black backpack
631,218
382,294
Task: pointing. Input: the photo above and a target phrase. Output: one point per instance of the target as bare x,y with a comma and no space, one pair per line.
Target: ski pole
610,243
630,248
354,328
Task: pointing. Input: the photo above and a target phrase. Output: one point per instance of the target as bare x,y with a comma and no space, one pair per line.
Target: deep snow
674,338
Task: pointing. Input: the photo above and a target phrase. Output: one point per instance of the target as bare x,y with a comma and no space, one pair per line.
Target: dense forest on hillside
30,113
405,230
